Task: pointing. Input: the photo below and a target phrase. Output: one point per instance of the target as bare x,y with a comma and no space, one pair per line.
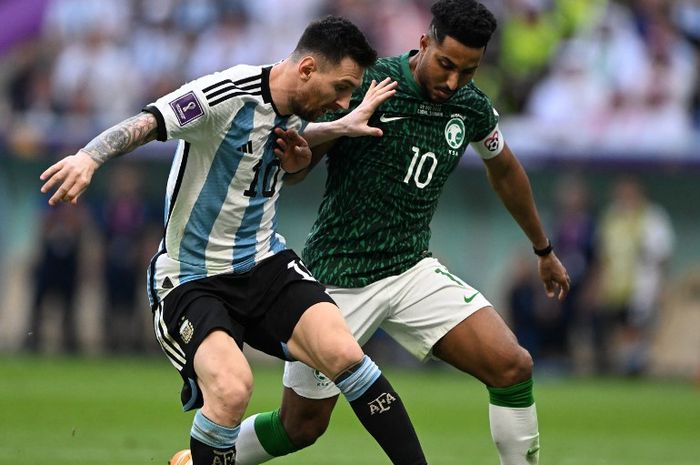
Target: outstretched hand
292,150
356,122
72,175
553,275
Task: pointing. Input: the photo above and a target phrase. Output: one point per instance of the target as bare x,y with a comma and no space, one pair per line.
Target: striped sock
209,441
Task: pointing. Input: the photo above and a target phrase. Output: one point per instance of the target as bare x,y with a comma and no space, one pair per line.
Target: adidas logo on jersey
247,147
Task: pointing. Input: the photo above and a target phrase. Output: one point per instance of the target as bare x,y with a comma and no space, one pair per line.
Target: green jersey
381,193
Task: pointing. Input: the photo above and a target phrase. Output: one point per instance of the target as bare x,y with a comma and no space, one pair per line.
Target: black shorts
260,308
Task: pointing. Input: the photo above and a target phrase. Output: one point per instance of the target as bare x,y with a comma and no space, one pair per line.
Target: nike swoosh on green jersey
533,450
469,299
387,119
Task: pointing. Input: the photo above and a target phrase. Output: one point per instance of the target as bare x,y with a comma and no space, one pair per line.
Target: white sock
249,451
515,433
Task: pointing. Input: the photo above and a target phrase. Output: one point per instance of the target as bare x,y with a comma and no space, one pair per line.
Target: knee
226,396
345,355
518,368
306,431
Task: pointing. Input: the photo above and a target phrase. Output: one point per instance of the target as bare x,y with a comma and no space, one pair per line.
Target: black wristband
544,252
296,172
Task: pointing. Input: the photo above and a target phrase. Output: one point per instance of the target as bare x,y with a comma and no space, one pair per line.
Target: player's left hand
356,122
292,150
553,275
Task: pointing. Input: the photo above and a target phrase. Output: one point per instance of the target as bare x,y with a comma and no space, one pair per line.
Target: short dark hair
466,21
335,38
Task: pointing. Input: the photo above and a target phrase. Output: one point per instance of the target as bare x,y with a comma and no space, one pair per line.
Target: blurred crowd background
600,99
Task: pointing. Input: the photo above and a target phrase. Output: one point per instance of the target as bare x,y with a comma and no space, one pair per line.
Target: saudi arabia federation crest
321,379
454,132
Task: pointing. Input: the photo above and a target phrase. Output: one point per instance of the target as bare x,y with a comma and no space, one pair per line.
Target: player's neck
413,61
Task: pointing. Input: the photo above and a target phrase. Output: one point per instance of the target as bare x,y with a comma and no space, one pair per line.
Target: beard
309,114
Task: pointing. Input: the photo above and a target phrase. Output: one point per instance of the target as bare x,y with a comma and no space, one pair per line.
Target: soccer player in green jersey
370,247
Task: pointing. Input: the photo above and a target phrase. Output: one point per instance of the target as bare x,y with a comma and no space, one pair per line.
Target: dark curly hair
466,21
335,38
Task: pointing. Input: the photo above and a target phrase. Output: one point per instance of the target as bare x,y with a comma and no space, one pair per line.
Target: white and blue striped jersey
224,183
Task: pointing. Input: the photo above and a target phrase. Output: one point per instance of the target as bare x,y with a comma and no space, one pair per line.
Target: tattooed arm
74,173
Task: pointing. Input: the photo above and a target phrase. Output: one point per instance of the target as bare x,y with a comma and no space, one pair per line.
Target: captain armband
491,145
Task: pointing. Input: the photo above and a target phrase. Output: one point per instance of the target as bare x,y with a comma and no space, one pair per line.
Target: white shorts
416,308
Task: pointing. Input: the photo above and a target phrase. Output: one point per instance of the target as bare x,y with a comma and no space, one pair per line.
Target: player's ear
424,42
306,67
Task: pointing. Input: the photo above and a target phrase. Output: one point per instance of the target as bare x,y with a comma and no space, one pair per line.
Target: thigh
303,317
322,340
427,303
283,304
483,346
181,322
363,309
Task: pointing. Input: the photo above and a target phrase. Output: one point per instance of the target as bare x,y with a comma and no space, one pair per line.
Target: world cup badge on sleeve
187,108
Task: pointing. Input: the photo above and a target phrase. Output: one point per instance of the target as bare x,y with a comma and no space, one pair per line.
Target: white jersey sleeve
192,112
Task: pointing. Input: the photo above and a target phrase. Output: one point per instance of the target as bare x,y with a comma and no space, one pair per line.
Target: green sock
271,434
513,420
262,437
516,396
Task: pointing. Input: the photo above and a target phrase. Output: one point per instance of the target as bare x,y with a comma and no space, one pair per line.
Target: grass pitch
126,411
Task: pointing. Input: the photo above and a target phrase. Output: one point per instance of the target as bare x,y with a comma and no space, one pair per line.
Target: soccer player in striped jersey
370,242
222,274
